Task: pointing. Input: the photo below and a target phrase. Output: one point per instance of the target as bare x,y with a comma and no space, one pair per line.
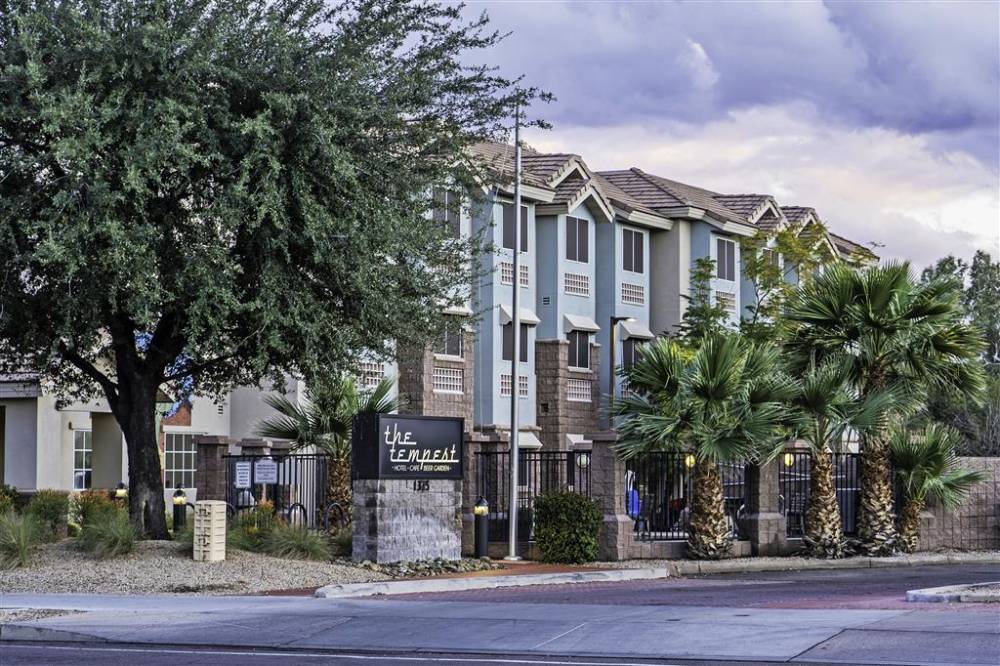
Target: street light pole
516,336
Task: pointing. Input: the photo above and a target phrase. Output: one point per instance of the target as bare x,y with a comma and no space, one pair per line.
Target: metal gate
296,484
538,472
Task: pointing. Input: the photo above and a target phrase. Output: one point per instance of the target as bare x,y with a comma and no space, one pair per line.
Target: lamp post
180,508
611,353
481,512
121,492
516,339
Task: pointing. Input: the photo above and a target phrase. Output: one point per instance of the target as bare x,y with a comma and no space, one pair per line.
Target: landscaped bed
166,567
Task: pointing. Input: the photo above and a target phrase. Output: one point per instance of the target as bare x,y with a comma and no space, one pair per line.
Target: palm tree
894,332
927,469
324,423
722,402
822,410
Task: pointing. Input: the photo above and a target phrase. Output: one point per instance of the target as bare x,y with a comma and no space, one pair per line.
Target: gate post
607,483
210,479
764,524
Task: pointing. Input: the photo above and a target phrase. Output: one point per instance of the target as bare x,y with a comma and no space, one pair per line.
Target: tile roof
620,197
659,193
746,205
798,214
569,189
537,168
849,247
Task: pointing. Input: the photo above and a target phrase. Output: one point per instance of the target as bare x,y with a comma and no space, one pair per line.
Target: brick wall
558,416
416,383
975,524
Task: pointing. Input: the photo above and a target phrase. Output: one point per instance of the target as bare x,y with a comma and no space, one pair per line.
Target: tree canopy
212,193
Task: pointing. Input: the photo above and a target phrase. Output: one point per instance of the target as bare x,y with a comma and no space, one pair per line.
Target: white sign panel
265,471
243,474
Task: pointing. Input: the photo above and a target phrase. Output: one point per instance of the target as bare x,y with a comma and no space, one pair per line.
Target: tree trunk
909,525
824,531
338,487
136,415
876,521
708,533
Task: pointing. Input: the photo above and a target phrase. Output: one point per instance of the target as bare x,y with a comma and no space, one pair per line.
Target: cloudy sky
883,116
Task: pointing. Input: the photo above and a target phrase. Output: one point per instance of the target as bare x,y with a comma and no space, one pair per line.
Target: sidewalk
517,574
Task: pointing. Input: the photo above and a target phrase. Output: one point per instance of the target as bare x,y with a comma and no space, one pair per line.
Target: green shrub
296,542
110,534
567,526
51,508
89,506
342,542
19,534
241,539
8,498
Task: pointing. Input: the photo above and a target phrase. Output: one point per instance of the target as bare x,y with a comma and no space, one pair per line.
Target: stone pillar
210,477
764,524
406,520
607,484
254,447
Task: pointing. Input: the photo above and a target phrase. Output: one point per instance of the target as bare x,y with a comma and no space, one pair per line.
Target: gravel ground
30,614
162,567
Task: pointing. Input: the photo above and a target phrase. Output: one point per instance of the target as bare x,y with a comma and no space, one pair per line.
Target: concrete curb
486,582
671,568
955,593
753,565
28,633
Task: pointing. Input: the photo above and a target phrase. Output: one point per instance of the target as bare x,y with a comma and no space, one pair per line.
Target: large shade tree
892,331
201,194
723,403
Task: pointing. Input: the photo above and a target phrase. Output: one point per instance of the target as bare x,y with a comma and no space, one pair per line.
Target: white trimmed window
179,455
522,385
507,230
83,451
370,374
578,390
579,349
725,259
451,342
577,239
507,273
447,207
448,380
726,301
634,294
632,251
576,284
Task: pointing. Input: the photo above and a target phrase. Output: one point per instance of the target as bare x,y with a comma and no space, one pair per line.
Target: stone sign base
403,520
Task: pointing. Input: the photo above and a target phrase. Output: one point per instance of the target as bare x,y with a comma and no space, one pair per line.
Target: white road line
331,655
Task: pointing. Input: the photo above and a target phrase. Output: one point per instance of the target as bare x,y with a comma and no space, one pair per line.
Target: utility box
209,531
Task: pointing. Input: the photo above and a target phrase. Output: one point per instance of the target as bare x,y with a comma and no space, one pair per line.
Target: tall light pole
516,355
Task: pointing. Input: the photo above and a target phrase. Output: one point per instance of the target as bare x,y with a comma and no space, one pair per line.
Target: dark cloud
913,67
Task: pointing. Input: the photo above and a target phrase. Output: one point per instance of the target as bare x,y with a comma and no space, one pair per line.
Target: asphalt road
838,616
76,655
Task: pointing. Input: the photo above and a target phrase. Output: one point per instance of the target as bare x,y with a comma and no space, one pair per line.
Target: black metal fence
794,486
538,472
659,488
296,484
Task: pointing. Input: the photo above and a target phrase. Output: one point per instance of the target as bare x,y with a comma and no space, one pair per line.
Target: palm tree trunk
824,531
708,533
909,525
338,487
876,520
